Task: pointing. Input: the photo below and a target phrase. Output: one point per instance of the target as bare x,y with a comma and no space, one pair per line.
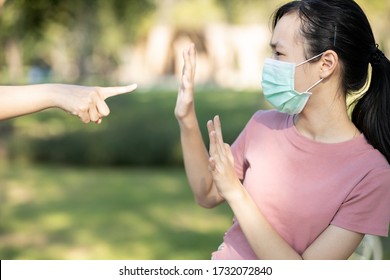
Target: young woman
88,103
304,181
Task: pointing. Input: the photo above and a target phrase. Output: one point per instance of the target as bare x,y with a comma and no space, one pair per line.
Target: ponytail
371,113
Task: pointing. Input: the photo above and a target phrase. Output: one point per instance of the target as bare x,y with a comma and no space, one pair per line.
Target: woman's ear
329,63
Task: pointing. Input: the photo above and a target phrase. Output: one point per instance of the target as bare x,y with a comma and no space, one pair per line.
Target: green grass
68,213
52,212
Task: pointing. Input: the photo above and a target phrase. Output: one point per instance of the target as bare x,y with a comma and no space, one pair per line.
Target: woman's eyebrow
275,45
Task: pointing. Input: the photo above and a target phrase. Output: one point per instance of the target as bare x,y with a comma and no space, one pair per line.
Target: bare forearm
195,158
88,103
264,240
334,243
195,154
21,100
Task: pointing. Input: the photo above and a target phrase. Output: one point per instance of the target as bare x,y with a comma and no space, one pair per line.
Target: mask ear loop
319,81
314,57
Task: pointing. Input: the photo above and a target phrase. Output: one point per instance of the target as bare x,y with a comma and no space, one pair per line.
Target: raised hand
221,161
185,98
88,103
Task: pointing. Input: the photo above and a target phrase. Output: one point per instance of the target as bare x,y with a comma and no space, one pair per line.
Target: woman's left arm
333,243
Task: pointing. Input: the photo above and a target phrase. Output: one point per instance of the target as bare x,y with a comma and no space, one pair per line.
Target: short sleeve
238,150
367,207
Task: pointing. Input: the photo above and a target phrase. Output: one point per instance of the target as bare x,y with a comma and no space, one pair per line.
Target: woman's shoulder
370,156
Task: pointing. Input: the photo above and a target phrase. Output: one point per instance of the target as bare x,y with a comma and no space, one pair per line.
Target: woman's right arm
195,154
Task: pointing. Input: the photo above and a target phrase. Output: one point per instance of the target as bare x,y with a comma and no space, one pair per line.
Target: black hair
342,26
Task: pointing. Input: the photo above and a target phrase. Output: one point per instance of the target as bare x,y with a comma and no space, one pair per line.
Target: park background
118,190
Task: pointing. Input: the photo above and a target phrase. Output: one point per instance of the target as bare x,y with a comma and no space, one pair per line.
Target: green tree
87,27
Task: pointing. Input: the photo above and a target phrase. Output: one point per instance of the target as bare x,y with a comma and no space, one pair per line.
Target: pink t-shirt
302,186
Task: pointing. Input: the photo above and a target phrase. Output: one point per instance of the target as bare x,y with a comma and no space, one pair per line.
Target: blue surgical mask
278,86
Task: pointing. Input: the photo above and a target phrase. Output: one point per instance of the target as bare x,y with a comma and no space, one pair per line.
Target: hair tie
376,55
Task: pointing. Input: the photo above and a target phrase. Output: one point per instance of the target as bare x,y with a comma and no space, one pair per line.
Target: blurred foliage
248,11
20,17
84,27
141,130
93,30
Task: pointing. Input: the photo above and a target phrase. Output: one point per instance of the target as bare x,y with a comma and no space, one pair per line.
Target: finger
192,57
213,150
84,117
187,69
210,126
218,128
229,153
93,114
212,165
186,55
102,108
186,61
107,92
219,137
212,140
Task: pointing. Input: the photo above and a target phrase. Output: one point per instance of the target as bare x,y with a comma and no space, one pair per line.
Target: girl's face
287,44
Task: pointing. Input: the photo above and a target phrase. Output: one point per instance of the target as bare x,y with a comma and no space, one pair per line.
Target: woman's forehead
286,33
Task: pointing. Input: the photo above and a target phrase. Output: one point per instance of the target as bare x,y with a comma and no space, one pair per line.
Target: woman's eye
276,54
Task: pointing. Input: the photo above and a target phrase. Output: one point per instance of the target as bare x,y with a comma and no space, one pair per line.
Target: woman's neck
328,124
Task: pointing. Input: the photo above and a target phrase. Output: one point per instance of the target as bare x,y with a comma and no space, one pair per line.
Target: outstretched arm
88,103
195,154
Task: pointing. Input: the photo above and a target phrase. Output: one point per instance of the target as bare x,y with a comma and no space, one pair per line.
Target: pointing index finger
107,92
